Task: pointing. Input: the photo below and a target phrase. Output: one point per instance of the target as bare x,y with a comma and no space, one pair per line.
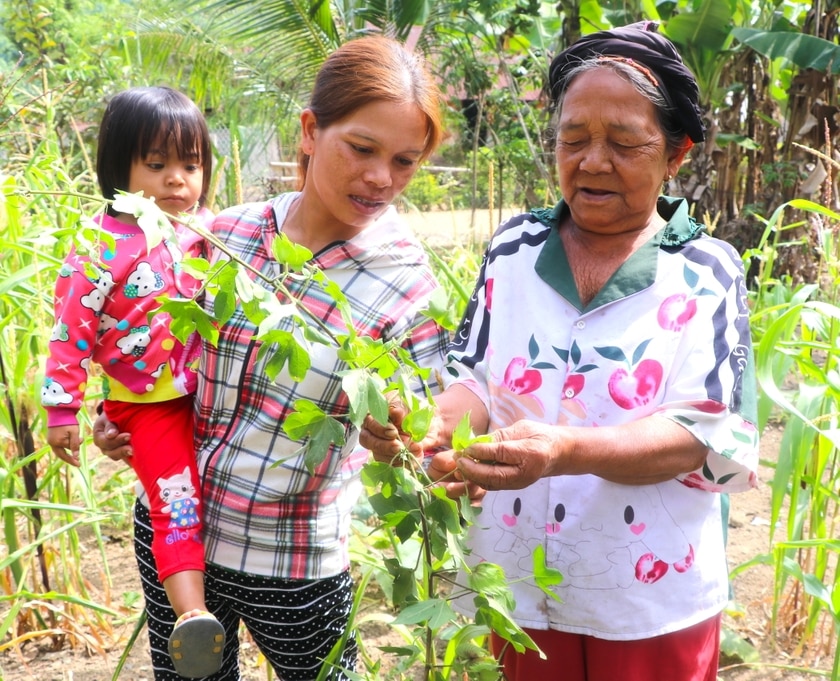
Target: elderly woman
607,348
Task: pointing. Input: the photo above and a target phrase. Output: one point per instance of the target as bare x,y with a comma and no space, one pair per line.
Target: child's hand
62,438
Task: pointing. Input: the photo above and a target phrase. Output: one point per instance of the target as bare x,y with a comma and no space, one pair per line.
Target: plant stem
429,578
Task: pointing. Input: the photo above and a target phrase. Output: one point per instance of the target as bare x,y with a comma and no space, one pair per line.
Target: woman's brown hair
367,70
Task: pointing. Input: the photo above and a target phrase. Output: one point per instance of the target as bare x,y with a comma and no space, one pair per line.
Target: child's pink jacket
102,315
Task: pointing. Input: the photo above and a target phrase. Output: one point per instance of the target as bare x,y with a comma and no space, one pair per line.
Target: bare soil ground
748,537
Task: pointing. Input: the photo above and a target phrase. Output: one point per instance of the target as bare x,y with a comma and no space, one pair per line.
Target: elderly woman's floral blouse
667,335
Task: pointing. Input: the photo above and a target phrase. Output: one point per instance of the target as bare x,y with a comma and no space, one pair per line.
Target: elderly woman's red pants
687,655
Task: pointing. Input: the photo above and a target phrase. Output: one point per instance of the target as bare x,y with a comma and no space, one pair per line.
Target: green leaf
283,350
292,255
365,392
323,431
314,334
396,503
335,292
734,647
433,613
497,615
439,308
800,49
298,424
188,316
276,314
407,527
443,511
224,305
416,423
544,576
404,586
748,143
363,352
246,288
463,436
707,28
196,267
323,435
804,204
376,473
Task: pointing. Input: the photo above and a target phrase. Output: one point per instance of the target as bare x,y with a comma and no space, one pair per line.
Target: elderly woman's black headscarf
641,43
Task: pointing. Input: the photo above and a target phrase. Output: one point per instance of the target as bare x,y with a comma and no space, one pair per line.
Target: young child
154,140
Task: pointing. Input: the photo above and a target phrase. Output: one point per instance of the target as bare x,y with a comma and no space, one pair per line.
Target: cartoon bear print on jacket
95,299
60,332
106,323
142,282
136,341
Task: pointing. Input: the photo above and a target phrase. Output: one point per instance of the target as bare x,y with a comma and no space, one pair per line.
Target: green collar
635,274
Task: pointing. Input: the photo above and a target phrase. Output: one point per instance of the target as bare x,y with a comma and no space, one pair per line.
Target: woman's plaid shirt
263,512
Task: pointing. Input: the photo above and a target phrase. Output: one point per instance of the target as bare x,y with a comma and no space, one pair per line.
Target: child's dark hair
137,119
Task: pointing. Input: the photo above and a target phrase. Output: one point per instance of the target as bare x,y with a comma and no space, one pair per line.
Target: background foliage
765,180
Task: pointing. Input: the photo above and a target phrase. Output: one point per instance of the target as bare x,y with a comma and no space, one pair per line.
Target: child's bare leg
185,590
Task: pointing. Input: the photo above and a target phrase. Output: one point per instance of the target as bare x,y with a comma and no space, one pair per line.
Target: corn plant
45,507
796,328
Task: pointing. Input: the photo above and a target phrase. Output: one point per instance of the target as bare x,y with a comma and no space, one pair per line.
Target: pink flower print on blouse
488,294
573,385
650,569
575,379
514,396
677,310
571,405
520,379
522,376
635,384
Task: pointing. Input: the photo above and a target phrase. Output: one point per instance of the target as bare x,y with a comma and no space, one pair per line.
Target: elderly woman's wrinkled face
611,154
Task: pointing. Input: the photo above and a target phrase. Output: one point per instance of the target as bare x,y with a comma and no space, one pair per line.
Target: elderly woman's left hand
520,455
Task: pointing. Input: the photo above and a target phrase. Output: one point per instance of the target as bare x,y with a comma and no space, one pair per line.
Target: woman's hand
111,442
520,455
388,440
644,452
385,441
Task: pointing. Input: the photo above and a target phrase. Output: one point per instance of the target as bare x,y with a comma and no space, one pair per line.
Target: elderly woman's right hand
113,444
